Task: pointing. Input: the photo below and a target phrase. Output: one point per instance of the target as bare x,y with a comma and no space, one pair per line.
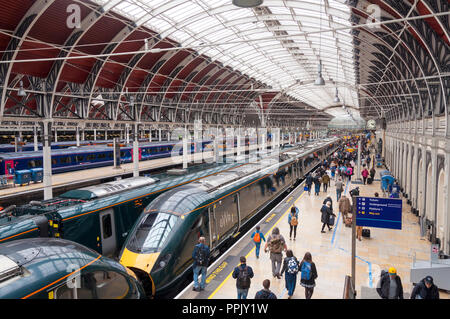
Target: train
50,268
159,246
74,159
29,147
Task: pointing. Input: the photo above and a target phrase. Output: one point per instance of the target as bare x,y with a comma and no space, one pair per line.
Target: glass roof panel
277,43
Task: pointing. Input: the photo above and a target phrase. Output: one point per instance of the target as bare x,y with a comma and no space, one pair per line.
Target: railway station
206,150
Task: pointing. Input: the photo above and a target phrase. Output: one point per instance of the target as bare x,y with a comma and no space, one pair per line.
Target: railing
349,289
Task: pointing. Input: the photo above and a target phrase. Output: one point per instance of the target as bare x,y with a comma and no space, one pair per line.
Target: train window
152,232
91,157
79,158
31,164
107,226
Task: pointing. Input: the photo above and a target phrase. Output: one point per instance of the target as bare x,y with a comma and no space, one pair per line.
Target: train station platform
331,251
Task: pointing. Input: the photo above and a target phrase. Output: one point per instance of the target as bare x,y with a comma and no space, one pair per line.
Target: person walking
243,275
290,268
265,293
258,237
317,183
201,260
365,174
326,216
425,289
276,244
339,188
309,181
308,275
325,181
293,221
345,208
372,173
390,285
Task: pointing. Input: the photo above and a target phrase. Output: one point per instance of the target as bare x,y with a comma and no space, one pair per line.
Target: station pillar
185,149
95,134
136,150
106,135
56,135
35,139
127,134
159,135
47,160
78,136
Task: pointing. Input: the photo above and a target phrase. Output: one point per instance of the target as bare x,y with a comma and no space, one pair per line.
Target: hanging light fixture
336,97
21,92
319,79
247,3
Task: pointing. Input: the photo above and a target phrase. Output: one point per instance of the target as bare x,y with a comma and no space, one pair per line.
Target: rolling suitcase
366,233
369,180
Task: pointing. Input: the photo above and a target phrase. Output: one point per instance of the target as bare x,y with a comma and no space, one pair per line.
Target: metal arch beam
390,45
20,34
395,6
58,66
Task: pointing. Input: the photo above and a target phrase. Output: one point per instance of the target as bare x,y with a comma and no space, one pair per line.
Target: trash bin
23,177
37,174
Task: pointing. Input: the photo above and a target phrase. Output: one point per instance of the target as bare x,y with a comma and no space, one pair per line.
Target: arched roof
176,61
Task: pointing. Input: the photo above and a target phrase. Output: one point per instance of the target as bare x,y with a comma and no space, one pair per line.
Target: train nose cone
144,262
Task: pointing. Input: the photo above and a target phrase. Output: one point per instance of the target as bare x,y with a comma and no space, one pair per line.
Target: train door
108,232
213,237
9,167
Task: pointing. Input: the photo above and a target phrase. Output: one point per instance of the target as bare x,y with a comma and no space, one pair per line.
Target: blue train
67,160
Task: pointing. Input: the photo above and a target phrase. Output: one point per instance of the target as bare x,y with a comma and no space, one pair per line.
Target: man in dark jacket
425,289
390,285
265,293
243,274
201,260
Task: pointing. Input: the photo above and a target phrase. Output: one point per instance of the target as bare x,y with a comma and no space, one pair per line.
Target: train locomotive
159,247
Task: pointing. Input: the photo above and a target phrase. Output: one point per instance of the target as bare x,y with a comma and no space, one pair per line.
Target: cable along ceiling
279,43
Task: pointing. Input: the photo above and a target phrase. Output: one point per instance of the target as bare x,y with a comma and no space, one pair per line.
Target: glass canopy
279,43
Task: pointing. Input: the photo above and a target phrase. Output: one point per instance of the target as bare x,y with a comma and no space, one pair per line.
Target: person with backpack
290,268
425,289
327,212
265,293
201,260
293,221
258,237
390,285
276,244
243,275
349,172
308,275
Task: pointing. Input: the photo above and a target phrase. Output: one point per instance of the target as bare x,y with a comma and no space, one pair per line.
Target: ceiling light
21,90
319,79
247,3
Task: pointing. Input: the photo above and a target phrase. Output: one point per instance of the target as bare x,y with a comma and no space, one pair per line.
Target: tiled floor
331,251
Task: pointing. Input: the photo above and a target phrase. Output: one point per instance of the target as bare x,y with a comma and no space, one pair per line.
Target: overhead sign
379,212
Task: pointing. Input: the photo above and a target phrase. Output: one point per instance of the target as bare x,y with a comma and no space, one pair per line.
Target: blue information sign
379,212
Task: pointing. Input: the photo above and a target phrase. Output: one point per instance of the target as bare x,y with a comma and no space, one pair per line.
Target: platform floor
331,251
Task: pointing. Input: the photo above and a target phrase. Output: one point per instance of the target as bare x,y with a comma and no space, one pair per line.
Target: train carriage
159,247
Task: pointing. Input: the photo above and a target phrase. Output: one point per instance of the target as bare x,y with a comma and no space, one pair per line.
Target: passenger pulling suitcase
366,233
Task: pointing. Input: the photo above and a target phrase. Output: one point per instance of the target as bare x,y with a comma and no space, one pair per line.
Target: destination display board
379,212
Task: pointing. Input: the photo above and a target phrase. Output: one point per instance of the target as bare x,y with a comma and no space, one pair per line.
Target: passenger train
29,147
159,247
50,268
67,160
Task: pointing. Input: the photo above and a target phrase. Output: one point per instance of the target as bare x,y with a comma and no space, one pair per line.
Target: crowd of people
339,168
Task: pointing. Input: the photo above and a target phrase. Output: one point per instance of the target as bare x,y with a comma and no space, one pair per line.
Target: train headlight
163,262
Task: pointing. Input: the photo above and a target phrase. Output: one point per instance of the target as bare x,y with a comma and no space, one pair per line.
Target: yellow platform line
251,251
